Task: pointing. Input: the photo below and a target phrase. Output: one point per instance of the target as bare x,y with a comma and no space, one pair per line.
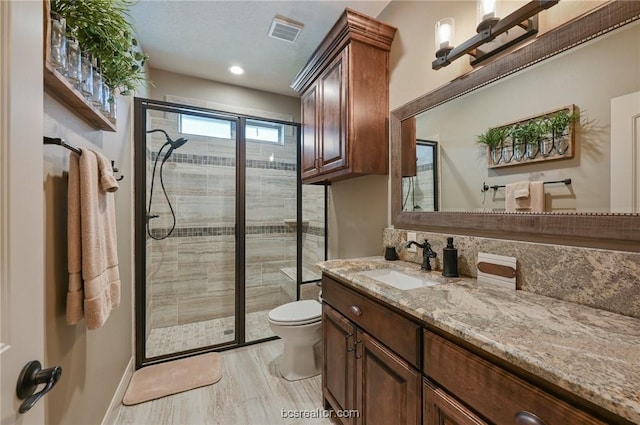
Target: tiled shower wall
191,274
417,193
600,278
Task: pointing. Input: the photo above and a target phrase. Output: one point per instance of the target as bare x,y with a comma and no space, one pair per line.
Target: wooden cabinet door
339,374
389,388
310,129
439,408
333,118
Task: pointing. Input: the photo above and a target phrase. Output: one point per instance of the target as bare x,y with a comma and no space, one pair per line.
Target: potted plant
519,136
546,136
534,134
560,123
493,139
102,29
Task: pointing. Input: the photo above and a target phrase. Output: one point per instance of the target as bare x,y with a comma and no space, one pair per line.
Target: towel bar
61,142
496,187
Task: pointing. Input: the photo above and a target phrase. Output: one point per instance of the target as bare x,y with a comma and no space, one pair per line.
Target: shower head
175,144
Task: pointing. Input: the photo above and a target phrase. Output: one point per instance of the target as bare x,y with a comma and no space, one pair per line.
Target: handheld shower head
173,144
179,142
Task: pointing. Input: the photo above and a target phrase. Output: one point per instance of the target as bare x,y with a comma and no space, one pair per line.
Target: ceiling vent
285,29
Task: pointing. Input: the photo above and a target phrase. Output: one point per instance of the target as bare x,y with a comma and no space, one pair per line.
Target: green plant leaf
105,32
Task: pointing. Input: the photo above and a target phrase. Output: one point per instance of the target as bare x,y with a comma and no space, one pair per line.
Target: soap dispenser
450,259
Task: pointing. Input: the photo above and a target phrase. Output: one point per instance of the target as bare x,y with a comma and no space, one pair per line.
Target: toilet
299,324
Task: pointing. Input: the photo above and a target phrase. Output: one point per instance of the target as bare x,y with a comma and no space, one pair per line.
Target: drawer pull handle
356,310
346,343
355,348
526,418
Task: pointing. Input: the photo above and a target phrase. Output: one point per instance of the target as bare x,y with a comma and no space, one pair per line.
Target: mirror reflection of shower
173,145
420,192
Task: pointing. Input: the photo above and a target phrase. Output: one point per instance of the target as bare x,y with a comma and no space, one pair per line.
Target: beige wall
357,215
93,362
169,83
413,47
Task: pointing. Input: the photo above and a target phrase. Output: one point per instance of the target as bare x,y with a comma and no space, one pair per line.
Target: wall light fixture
493,34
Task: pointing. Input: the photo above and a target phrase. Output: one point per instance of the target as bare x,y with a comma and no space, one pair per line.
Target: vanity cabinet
394,369
492,392
442,409
344,91
360,372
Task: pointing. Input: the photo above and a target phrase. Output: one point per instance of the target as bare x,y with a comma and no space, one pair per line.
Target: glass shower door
271,222
190,245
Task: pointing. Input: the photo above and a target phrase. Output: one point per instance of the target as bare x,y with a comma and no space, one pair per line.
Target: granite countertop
592,353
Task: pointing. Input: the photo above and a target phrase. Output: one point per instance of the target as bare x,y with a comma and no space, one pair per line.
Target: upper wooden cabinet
344,89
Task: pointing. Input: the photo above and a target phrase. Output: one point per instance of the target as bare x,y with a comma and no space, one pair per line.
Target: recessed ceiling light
235,69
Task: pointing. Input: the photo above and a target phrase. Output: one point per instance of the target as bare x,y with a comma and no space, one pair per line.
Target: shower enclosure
222,233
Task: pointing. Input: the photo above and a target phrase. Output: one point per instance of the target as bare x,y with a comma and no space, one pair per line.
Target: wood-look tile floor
251,392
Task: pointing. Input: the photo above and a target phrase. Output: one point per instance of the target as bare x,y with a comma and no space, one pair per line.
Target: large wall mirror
592,62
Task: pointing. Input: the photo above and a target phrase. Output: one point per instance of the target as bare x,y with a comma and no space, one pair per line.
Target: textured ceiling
203,38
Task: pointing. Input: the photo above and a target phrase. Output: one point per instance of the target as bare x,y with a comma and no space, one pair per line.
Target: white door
21,203
625,153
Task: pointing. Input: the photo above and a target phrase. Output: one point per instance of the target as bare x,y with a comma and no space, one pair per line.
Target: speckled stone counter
593,353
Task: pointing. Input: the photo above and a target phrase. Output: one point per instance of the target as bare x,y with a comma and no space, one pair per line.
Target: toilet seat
297,313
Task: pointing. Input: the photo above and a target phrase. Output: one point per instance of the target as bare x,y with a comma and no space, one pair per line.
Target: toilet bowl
299,324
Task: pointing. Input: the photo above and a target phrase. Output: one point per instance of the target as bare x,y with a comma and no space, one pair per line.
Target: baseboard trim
116,401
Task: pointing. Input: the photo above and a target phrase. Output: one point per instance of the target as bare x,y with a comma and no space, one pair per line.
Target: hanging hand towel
92,240
521,190
75,294
108,182
534,202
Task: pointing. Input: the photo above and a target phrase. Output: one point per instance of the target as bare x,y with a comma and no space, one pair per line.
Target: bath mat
152,382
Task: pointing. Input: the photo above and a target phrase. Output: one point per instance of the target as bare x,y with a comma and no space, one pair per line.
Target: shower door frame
141,105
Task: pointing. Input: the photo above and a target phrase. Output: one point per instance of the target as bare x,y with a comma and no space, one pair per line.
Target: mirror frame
590,229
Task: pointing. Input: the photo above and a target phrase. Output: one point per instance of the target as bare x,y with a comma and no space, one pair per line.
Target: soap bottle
450,259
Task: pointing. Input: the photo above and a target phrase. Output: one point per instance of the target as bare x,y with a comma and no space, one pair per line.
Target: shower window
259,131
206,126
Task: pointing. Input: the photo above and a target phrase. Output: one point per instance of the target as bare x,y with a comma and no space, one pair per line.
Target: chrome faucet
427,253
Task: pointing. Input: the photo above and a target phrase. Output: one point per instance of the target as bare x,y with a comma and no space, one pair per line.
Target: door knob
30,377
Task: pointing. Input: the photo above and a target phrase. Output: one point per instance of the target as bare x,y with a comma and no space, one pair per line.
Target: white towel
533,203
94,279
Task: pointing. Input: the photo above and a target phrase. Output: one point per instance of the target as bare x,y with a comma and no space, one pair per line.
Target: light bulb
487,14
444,36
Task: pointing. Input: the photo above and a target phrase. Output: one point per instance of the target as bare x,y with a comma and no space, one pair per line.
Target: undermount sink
398,279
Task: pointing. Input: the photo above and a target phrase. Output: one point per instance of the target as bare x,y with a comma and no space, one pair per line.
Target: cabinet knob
526,418
356,310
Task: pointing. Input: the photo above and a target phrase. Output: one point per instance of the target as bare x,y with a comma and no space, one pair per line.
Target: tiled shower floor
173,339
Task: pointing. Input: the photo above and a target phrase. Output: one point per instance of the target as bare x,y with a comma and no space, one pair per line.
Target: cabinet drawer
491,391
392,329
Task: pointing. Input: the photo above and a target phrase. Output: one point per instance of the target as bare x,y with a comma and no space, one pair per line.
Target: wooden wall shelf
58,86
